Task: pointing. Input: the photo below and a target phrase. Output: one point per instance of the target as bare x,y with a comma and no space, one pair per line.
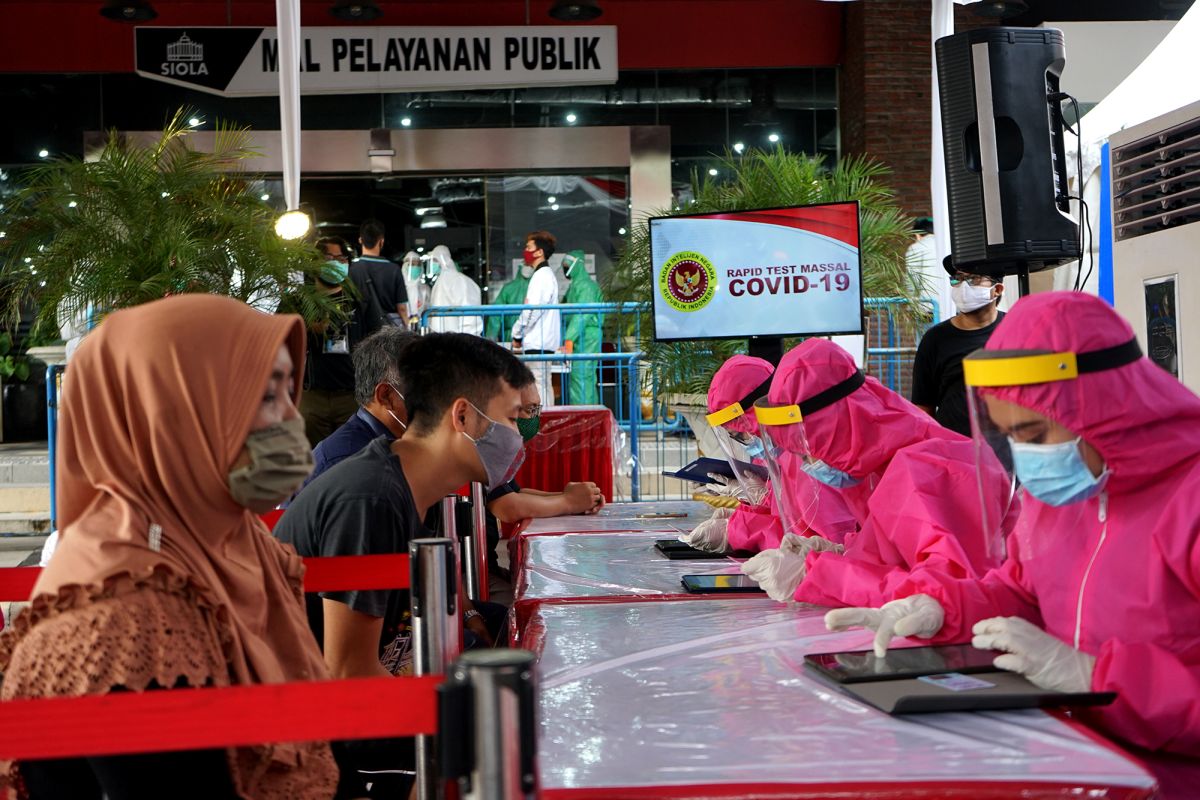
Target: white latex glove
1040,657
919,615
753,493
780,571
709,535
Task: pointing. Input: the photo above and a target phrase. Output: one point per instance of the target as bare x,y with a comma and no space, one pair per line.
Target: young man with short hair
386,276
937,380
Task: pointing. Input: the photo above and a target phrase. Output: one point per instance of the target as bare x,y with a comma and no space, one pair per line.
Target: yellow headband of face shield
726,414
1018,370
778,415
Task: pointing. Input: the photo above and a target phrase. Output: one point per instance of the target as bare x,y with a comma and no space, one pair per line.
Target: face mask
968,298
414,273
435,269
529,426
755,449
501,451
280,459
1055,473
569,266
527,272
334,272
830,476
530,258
399,393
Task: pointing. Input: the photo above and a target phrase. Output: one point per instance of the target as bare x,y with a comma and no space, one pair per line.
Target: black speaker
1006,171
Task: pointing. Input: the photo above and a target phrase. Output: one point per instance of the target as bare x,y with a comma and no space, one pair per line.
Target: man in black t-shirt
937,383
386,276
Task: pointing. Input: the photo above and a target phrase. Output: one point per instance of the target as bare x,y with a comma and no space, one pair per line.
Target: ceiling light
406,121
292,225
551,199
998,9
554,207
195,122
72,204
575,10
738,147
356,10
28,260
773,138
43,153
423,210
571,118
433,219
166,194
265,197
712,171
128,11
620,231
420,249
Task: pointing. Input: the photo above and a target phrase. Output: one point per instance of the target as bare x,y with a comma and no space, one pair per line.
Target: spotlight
571,118
292,225
356,10
43,153
998,9
128,11
738,147
406,122
773,138
575,10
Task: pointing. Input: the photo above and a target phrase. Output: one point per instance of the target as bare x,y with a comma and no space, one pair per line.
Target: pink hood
736,378
860,433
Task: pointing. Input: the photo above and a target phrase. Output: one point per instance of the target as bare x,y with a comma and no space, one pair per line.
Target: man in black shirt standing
386,276
937,383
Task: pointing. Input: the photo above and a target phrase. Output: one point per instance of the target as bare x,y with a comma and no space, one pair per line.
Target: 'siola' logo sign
687,281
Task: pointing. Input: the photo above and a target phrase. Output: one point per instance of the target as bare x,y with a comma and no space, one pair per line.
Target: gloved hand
709,535
753,493
1040,657
780,571
919,615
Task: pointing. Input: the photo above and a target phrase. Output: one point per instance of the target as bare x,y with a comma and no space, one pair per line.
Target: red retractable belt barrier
332,574
234,716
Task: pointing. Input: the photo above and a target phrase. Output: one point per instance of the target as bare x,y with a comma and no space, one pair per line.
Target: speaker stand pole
1023,281
768,348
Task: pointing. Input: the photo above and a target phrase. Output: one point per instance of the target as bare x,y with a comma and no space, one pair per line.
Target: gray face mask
280,459
501,451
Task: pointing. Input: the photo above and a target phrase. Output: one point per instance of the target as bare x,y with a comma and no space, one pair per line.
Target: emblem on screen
687,281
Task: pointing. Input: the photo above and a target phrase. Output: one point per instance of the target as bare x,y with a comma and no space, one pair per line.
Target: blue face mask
1055,473
830,476
755,449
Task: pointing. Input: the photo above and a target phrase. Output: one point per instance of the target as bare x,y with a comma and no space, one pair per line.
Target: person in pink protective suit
1101,587
912,484
755,525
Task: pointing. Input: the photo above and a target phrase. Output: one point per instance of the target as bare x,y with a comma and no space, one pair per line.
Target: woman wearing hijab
179,425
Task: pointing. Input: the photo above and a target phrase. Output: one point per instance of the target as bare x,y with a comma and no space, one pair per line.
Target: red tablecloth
575,443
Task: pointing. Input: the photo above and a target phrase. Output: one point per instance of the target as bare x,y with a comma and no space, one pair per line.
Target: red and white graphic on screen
687,281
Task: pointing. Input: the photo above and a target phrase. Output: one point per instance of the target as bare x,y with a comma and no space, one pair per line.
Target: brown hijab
157,405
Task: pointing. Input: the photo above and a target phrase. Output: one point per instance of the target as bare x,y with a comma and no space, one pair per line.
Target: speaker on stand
1006,173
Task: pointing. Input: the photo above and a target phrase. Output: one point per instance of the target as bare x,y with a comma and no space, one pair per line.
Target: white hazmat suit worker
415,285
452,289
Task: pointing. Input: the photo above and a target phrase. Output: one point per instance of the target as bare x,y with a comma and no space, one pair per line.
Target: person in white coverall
452,288
414,283
538,331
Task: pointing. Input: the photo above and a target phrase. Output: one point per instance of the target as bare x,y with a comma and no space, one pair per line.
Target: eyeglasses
974,280
531,410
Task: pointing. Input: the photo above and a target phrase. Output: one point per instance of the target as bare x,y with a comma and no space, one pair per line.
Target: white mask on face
968,298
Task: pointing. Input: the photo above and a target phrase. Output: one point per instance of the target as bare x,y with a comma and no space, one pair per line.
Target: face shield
1022,446
785,450
731,427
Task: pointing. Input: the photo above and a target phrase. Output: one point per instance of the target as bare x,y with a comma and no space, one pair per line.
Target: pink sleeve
1158,696
753,529
833,579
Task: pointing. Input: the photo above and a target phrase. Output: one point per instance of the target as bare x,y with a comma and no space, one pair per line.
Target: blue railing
54,374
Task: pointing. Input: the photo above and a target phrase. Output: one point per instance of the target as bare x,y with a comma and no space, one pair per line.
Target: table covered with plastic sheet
673,515
708,698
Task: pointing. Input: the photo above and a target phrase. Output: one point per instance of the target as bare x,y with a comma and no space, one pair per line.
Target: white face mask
968,298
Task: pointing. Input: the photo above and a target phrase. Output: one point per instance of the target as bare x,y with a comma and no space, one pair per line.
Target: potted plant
24,409
137,222
682,370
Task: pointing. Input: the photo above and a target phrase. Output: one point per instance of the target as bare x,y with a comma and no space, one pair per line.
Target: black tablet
734,583
677,550
911,662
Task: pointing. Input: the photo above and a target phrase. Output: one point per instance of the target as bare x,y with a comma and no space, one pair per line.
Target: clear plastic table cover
607,565
713,693
625,516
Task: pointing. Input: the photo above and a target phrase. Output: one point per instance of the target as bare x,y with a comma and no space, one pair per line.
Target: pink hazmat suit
919,498
1116,576
757,528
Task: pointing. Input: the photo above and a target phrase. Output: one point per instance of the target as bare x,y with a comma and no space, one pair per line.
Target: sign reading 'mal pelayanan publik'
245,61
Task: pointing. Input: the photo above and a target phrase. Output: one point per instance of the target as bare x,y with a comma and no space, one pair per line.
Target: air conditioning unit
1155,174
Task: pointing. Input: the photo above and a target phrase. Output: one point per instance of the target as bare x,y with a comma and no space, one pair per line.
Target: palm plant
139,222
765,179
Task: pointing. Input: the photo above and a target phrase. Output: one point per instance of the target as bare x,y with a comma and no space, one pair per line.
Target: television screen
768,272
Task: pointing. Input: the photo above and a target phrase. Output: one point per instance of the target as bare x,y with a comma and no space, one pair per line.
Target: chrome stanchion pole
475,554
437,635
488,725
